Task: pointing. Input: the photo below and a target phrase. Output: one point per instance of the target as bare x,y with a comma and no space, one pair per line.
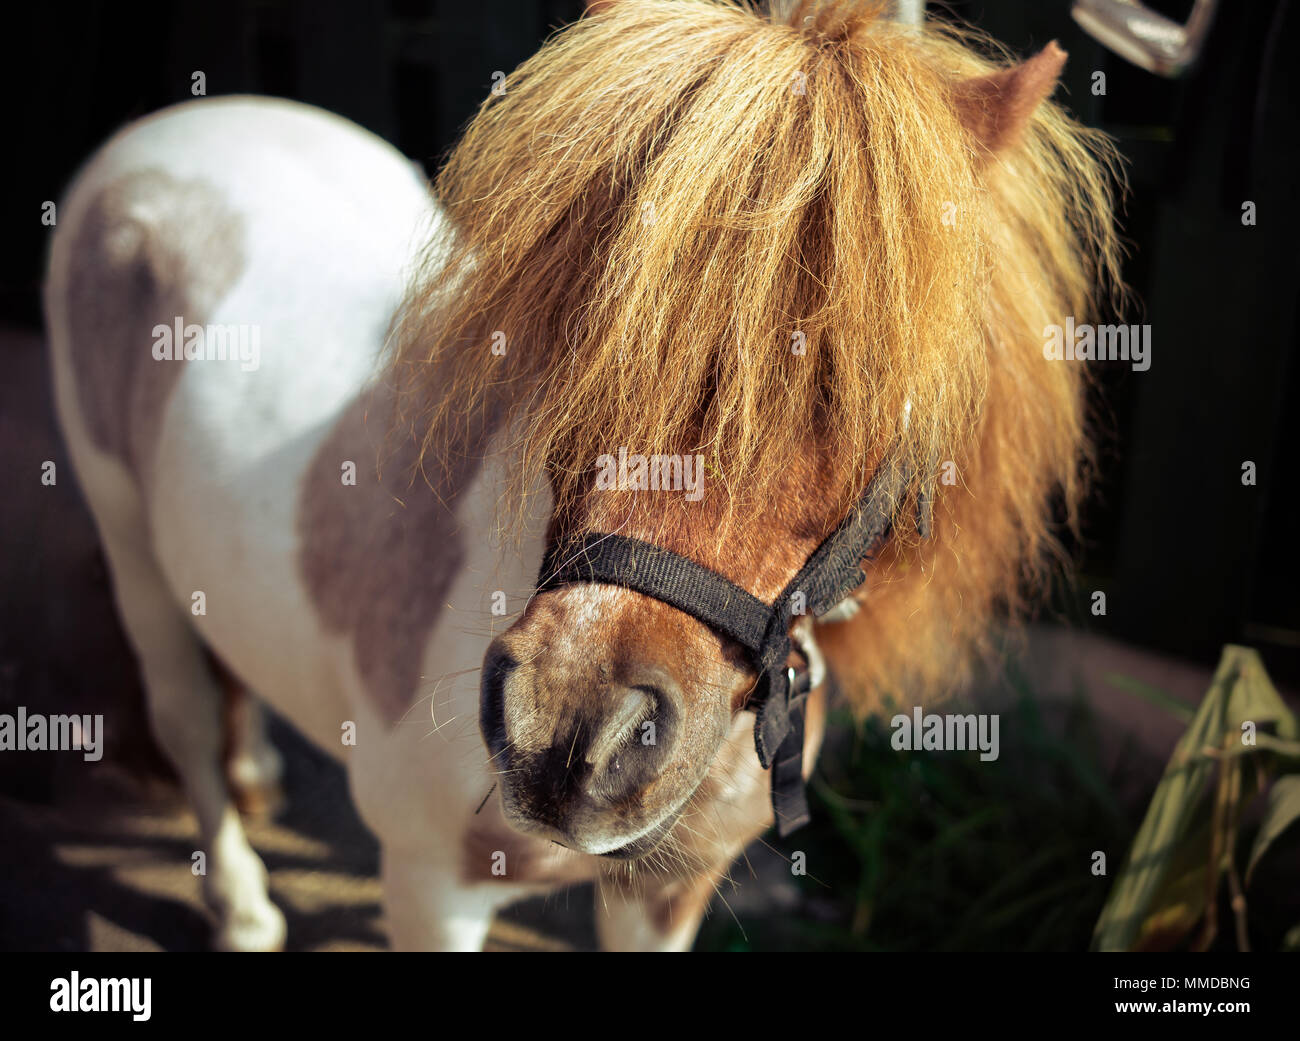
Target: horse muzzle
587,751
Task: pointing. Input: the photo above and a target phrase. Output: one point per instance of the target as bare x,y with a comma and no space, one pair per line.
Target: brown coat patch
378,557
150,248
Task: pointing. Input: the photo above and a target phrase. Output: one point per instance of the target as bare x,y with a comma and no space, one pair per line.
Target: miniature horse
328,419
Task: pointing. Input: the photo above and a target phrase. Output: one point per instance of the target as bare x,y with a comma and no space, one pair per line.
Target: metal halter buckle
810,677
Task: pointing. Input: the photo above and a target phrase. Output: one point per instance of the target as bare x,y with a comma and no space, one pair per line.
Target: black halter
830,575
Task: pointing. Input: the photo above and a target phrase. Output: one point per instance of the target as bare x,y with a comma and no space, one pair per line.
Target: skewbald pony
703,230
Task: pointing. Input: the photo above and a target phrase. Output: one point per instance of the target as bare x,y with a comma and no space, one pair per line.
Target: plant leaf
1282,812
1254,697
1171,834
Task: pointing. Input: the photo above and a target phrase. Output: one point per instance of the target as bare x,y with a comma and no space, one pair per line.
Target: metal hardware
1147,39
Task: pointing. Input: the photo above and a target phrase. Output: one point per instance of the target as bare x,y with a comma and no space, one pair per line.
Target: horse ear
996,108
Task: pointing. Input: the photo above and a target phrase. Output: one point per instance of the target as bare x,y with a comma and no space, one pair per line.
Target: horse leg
252,764
429,909
185,711
653,914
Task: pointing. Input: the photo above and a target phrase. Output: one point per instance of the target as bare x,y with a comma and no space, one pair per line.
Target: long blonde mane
687,227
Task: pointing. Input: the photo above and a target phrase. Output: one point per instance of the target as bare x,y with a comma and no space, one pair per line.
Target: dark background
1189,558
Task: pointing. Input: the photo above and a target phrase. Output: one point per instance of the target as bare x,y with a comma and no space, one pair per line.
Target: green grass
918,851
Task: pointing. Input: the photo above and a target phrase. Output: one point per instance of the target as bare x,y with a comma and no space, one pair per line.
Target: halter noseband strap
830,575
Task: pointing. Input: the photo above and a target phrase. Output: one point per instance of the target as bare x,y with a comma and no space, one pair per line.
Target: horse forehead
149,248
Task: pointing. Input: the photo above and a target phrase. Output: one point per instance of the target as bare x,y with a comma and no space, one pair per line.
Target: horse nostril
630,746
638,705
497,666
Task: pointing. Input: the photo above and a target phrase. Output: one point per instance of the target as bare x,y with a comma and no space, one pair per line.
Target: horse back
220,285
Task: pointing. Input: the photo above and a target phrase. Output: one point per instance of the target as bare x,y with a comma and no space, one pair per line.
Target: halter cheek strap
830,575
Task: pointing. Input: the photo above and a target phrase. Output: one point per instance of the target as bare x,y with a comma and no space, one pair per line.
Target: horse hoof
258,801
259,928
254,782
